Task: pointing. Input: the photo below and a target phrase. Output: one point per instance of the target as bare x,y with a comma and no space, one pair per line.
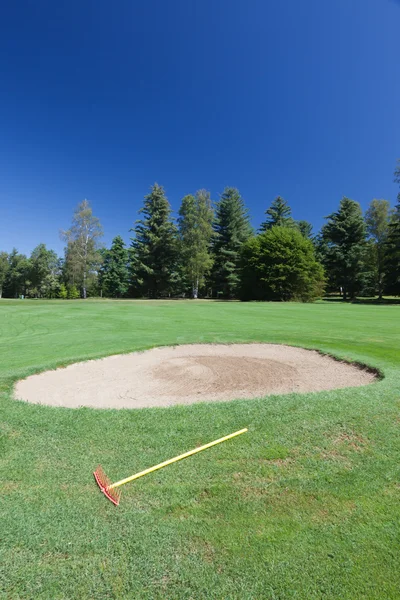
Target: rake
111,491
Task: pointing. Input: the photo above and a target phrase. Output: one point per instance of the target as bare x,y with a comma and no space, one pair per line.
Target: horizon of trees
211,250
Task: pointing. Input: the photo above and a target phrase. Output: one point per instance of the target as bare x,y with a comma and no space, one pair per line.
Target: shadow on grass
373,301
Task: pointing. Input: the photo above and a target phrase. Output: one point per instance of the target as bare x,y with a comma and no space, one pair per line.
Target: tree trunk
85,253
344,294
195,289
380,285
1,291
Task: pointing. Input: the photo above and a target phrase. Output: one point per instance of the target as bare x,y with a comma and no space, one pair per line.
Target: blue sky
99,100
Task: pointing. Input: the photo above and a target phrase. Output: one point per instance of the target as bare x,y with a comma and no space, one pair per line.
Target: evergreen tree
392,263
280,264
154,247
17,276
305,228
3,270
232,228
344,237
114,270
377,220
44,265
195,235
81,254
279,213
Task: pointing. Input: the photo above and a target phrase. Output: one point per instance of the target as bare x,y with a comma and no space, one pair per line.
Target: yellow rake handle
174,460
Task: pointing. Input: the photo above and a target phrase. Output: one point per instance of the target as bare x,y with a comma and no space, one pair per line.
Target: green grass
304,506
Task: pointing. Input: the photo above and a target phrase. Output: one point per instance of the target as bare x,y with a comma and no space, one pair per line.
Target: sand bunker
191,373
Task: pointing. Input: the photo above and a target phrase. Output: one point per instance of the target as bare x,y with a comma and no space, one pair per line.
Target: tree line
211,250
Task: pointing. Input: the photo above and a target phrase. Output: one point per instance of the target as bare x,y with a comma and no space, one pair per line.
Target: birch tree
82,244
195,234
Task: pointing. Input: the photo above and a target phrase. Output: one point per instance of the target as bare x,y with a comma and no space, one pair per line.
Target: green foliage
359,256
63,292
377,220
195,235
280,264
305,228
232,228
154,247
369,277
49,287
3,270
81,253
392,260
73,293
114,274
279,213
344,237
17,275
44,267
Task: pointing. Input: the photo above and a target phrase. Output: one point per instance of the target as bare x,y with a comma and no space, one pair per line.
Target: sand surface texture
190,373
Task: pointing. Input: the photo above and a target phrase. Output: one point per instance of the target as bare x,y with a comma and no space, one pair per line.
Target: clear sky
100,99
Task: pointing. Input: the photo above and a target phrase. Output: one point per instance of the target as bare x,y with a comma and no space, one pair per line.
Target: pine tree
305,229
279,213
195,235
16,279
154,247
232,228
44,266
377,220
344,238
392,262
114,270
3,270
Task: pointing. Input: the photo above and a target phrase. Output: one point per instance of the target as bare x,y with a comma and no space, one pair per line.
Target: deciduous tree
280,264
63,292
195,235
81,256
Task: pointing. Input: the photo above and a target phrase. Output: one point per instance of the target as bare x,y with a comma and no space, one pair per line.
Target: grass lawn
304,506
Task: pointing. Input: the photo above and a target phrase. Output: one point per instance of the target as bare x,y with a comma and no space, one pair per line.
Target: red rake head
104,484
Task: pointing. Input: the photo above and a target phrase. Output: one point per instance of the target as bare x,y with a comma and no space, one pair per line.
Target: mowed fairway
304,506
